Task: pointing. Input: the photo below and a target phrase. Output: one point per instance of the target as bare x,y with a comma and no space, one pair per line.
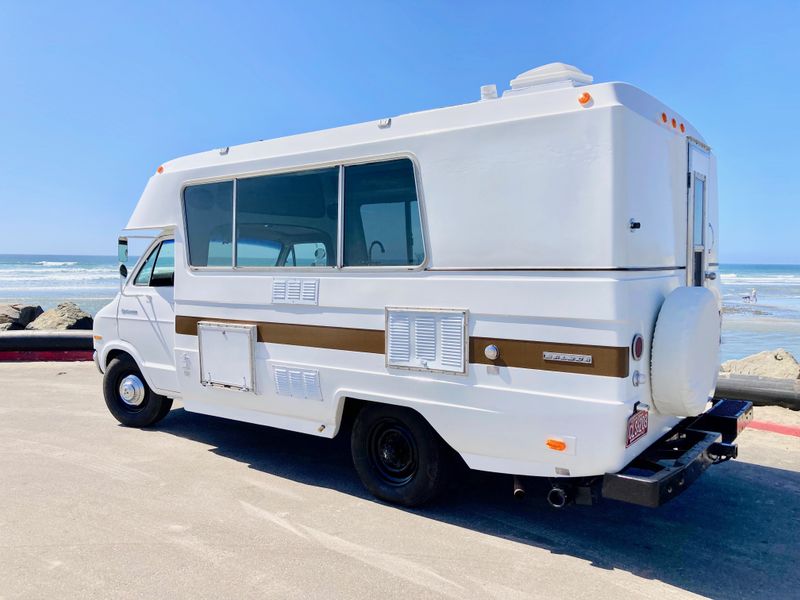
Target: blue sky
96,95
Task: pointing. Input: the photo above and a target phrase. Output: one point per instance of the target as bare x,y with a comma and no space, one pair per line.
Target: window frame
155,247
339,266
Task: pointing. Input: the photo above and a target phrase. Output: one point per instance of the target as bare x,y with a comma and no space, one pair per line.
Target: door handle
711,275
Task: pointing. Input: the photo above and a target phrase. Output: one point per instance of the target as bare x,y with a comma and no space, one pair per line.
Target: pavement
200,507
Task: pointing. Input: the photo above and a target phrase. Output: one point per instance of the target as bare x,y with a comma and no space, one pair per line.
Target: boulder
66,315
778,364
17,316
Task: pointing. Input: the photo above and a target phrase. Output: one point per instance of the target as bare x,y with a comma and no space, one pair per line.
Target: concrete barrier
761,391
27,345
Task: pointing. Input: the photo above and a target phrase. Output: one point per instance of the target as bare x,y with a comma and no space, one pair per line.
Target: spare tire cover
685,356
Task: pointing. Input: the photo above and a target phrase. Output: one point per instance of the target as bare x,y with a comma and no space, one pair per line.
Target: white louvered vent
431,340
295,291
297,383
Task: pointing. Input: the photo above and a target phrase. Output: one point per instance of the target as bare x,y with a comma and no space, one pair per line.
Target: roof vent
554,75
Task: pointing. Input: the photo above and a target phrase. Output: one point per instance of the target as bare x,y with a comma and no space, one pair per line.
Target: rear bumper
675,461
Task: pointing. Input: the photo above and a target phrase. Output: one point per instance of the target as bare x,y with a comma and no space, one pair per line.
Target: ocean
771,321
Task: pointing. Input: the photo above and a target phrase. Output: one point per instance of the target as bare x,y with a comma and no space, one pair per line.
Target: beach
773,321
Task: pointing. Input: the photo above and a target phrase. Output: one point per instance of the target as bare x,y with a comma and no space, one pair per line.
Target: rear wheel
129,398
398,455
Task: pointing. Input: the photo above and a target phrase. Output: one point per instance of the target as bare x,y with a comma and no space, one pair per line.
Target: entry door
699,227
146,315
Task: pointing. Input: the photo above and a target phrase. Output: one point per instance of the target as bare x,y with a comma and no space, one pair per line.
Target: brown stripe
314,336
609,361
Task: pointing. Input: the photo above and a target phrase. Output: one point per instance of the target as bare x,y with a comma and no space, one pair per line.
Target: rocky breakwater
65,316
771,377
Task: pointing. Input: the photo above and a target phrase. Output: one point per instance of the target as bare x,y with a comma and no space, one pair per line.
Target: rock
17,316
778,364
66,315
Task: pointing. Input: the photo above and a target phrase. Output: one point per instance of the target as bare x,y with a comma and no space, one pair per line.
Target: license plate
637,426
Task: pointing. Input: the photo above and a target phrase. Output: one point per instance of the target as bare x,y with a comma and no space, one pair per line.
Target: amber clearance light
554,444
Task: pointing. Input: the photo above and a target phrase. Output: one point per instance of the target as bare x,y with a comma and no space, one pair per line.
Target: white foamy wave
55,263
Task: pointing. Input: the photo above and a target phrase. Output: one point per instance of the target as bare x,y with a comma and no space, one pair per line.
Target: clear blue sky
95,95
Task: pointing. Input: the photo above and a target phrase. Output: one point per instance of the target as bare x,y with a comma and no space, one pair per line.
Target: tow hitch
675,461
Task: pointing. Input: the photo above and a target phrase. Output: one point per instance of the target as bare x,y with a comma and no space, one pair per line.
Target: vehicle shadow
734,534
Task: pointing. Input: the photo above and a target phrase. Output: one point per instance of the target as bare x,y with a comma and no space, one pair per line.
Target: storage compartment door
226,355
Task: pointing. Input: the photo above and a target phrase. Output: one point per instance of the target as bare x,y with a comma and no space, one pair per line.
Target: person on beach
751,297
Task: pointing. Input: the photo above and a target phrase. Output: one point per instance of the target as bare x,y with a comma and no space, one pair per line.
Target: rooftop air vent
554,75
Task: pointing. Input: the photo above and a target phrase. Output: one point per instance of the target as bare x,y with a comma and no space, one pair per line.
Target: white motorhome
527,282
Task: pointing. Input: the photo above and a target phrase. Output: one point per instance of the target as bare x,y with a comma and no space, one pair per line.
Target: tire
143,407
685,353
398,455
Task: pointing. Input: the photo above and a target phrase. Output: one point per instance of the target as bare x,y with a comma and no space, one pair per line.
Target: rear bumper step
675,461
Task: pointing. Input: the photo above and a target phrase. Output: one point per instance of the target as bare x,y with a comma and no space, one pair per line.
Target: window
381,215
209,224
284,220
159,268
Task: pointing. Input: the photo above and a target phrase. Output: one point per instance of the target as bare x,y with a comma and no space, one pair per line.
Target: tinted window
143,276
276,213
164,269
209,225
381,215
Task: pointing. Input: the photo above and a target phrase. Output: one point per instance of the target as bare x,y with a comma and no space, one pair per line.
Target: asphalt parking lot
207,508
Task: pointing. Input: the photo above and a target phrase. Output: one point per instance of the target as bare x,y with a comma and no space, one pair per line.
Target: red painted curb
775,428
44,355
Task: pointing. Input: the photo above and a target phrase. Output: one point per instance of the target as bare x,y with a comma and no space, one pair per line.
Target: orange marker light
674,123
663,117
683,129
160,169
585,98
559,445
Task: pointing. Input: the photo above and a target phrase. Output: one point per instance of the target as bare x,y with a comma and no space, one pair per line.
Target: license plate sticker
637,426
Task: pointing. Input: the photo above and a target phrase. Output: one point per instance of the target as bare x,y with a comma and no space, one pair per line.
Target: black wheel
128,396
397,455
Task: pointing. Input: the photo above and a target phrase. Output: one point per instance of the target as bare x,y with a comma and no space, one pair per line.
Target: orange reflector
674,123
98,337
160,169
663,117
585,98
683,129
554,444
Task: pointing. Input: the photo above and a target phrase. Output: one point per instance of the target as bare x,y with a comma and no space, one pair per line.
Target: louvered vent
295,291
432,340
297,383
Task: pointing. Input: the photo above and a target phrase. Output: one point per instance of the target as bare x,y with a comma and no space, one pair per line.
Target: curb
24,345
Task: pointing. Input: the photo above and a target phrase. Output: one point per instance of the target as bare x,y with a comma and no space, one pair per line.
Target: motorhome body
496,269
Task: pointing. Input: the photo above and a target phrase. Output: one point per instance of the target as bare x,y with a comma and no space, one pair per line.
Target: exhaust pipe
559,497
519,489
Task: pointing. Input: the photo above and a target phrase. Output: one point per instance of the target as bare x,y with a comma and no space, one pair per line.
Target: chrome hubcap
131,390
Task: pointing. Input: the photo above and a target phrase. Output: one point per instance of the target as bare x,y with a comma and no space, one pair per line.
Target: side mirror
123,271
122,250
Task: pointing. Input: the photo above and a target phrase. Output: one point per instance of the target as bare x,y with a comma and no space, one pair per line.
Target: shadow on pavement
734,534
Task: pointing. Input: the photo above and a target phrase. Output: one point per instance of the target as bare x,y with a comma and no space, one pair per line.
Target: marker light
558,445
637,346
585,98
663,117
683,129
160,169
674,123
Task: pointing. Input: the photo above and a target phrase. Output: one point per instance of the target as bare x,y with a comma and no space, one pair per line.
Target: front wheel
129,398
398,455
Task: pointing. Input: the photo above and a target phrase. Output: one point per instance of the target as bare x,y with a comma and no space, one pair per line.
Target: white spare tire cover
685,356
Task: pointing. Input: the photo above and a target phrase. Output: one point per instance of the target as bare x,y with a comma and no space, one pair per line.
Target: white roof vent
554,75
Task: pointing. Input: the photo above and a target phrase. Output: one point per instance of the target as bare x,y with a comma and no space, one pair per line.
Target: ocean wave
55,263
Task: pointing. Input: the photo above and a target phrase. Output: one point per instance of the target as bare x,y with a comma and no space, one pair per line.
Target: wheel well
116,354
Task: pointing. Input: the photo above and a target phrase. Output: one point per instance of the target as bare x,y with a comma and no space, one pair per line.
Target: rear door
146,315
699,228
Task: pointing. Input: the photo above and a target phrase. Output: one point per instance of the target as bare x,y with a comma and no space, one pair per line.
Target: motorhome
525,284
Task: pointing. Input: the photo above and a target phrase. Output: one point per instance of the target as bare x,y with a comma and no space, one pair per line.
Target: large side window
209,224
288,219
381,215
159,268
